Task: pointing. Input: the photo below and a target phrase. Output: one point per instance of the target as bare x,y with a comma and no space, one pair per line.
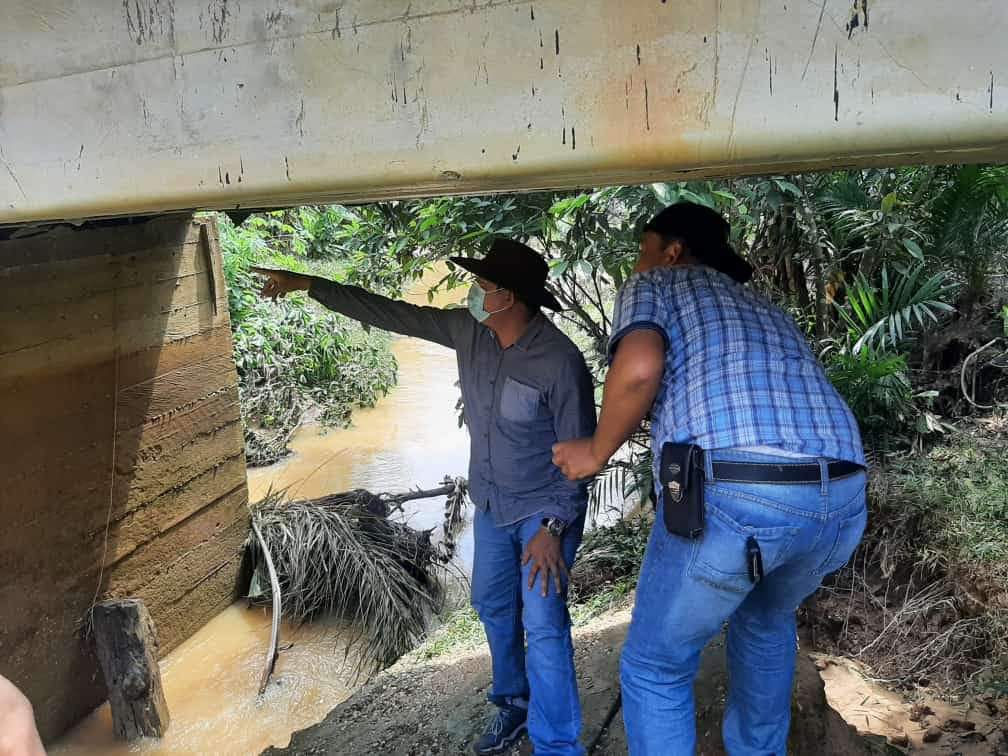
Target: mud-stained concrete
124,474
219,103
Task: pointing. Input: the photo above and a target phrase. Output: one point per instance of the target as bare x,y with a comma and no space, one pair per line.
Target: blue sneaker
504,730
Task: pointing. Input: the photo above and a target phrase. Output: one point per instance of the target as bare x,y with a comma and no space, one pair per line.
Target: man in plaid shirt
784,496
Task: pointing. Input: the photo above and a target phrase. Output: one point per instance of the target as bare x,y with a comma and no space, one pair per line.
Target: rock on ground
440,707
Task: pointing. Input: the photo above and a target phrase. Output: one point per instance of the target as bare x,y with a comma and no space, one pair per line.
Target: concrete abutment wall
118,409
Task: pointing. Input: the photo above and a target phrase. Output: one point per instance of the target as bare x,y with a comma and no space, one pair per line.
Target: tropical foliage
887,315
877,387
875,266
864,260
292,356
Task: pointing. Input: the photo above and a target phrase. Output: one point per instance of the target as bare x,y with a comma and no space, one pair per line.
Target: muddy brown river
411,438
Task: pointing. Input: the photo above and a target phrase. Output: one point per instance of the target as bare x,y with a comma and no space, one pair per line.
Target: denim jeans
512,613
689,589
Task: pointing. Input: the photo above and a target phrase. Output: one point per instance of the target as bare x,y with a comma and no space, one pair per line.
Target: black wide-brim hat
515,267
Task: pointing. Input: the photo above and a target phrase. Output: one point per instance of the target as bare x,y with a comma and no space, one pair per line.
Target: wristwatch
555,526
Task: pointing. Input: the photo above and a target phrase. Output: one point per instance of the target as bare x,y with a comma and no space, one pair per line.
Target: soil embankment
439,707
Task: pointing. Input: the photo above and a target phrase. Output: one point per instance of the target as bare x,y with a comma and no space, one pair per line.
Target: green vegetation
615,595
867,259
958,495
877,387
292,356
603,579
610,556
924,602
890,314
459,630
894,275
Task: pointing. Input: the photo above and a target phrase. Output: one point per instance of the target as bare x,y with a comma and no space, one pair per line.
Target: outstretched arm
430,323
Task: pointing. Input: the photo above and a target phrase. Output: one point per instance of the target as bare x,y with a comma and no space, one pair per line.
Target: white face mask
477,300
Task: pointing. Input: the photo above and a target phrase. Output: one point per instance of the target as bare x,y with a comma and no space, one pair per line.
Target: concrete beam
148,106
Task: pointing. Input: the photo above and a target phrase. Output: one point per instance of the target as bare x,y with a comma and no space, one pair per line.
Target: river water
410,438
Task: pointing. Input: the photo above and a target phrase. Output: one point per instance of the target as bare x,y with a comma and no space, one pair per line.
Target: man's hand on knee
545,552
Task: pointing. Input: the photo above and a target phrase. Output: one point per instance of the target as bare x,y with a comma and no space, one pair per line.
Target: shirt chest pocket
520,403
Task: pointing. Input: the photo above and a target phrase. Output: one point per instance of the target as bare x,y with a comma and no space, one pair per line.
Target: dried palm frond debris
341,555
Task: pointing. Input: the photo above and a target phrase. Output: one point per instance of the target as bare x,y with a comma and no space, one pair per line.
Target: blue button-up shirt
738,372
518,401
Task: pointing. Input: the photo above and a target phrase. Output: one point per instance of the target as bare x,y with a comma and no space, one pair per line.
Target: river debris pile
342,555
265,446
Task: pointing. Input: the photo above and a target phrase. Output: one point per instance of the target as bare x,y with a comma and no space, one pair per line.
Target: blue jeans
689,589
512,613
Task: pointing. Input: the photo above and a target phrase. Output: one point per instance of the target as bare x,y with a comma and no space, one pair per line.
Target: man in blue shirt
525,386
783,499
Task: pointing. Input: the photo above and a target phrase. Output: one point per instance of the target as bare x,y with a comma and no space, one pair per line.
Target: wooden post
127,649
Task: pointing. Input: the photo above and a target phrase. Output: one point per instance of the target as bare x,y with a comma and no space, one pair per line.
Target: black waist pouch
682,489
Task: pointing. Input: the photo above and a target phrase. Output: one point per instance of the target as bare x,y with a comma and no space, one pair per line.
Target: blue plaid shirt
738,372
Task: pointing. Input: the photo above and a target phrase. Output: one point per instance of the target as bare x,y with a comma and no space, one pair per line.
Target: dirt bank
439,707
972,726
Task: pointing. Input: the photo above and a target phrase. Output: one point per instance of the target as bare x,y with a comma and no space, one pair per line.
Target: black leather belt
772,472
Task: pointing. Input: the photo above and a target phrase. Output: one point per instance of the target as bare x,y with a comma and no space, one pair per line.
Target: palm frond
877,388
627,479
340,555
884,316
963,208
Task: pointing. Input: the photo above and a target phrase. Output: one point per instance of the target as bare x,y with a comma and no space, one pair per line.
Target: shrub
293,355
886,316
877,388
